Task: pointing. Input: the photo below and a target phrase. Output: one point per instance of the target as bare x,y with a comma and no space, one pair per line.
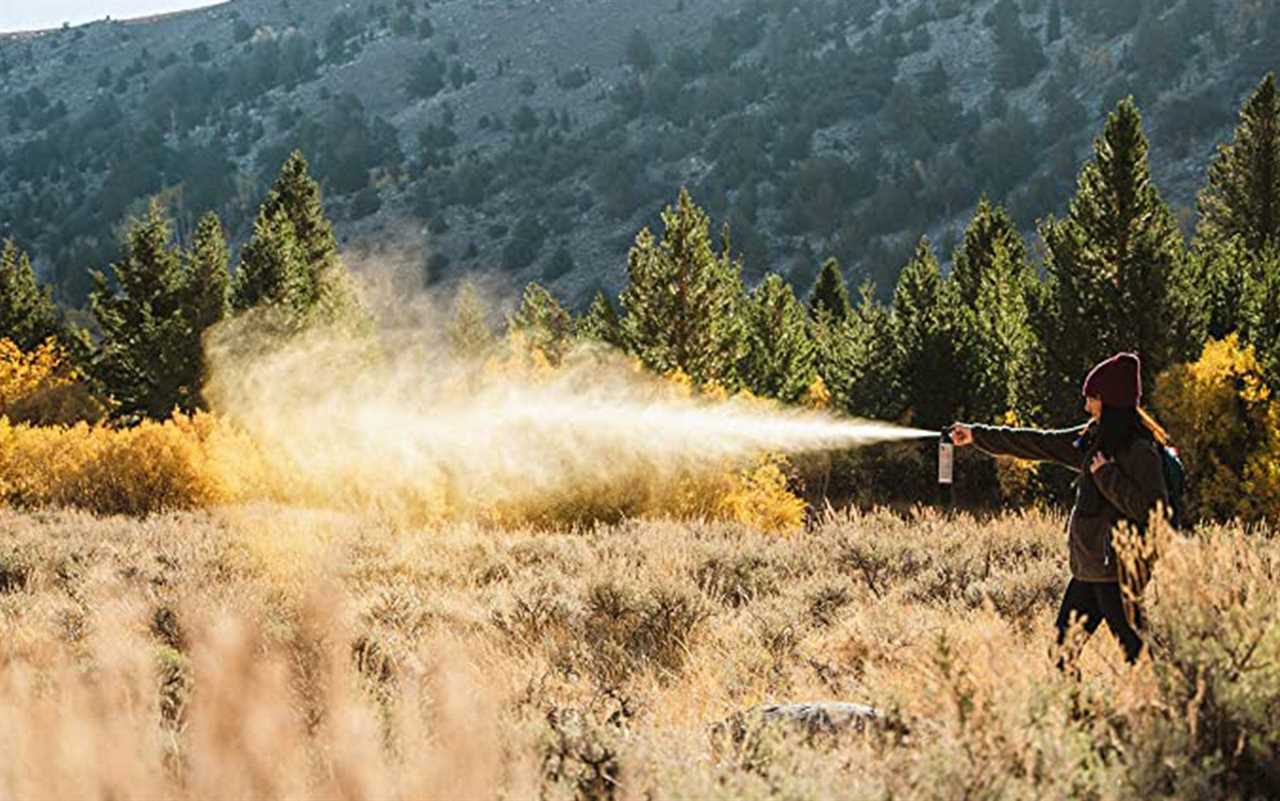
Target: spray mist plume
391,423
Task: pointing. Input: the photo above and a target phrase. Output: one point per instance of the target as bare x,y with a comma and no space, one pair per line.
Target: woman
1122,478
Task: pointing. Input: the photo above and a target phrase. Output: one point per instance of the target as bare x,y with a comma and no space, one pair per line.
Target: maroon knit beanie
1117,381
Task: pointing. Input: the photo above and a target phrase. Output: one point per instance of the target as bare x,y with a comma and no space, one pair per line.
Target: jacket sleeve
1032,444
1134,485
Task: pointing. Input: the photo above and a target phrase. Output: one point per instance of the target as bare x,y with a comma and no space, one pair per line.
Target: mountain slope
535,138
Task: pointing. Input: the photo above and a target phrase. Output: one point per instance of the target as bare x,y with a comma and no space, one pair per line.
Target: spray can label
946,461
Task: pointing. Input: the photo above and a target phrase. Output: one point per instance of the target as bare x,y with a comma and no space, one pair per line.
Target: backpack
1175,483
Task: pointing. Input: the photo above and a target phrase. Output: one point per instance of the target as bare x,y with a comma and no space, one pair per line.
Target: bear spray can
946,468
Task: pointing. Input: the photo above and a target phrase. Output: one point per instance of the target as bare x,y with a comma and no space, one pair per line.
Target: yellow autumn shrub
759,495
1226,425
182,463
42,387
816,396
284,454
755,494
39,465
153,467
201,461
759,498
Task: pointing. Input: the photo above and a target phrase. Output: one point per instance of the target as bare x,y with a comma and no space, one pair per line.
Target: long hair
1119,426
1157,431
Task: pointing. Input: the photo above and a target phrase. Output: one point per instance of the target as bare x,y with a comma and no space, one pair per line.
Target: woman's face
1094,407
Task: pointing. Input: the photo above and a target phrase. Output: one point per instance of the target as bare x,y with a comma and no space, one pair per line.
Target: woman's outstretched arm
1024,443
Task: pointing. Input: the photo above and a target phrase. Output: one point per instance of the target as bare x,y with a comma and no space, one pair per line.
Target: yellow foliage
681,383
21,373
817,396
759,498
713,391
756,496
521,358
1227,429
183,463
682,386
207,460
40,387
201,461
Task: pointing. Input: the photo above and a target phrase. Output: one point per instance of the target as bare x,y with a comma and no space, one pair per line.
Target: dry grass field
274,652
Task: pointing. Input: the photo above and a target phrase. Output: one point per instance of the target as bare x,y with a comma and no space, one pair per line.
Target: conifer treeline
995,339
158,301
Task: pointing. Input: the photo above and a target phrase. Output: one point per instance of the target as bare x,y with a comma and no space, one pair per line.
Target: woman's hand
961,435
1099,461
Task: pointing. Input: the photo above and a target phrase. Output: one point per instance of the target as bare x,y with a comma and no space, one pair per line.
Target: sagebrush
261,651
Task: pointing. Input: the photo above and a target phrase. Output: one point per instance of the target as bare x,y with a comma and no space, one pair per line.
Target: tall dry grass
268,652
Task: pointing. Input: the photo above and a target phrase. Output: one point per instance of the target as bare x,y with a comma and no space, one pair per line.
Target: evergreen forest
1005,336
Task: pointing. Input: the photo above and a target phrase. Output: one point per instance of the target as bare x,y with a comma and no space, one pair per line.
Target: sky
25,15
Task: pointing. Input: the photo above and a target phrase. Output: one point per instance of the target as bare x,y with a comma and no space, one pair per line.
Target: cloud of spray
393,423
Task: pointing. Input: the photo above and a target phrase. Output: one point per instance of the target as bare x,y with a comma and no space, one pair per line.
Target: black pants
1094,602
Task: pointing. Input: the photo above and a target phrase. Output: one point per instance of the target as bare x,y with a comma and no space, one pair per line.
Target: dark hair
1117,429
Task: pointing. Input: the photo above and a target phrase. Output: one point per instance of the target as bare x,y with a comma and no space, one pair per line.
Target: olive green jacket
1127,488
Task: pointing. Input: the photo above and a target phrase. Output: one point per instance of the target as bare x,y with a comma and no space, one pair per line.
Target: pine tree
1240,210
307,276
1243,194
997,343
297,194
1260,312
1053,31
1222,270
975,258
639,51
924,340
28,315
208,282
469,334
855,359
829,294
207,300
1118,274
1019,56
681,306
273,270
339,304
600,322
147,357
780,352
935,83
993,281
543,323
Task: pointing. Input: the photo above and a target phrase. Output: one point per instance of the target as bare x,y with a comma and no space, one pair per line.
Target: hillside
534,139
